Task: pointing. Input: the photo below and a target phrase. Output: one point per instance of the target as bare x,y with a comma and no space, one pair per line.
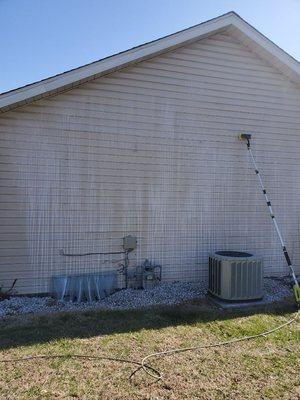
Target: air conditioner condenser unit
235,276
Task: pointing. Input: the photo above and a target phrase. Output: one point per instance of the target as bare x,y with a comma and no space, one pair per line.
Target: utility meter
129,243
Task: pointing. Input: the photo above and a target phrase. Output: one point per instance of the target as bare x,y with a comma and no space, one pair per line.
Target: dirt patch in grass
266,368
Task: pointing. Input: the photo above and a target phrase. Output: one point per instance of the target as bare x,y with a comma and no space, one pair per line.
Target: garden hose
153,372
143,364
80,356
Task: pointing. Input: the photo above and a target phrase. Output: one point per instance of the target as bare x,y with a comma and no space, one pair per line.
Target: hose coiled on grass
143,364
153,372
82,356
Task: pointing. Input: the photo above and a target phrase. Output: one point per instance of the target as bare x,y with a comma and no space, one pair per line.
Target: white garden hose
153,371
142,365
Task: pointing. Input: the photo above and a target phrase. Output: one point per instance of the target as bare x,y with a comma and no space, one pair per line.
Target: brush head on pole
244,136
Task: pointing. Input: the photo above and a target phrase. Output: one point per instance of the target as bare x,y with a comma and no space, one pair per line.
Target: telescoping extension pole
296,287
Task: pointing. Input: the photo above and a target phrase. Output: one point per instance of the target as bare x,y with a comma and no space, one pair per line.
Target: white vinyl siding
152,151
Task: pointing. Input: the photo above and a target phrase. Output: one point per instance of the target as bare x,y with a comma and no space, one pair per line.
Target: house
145,143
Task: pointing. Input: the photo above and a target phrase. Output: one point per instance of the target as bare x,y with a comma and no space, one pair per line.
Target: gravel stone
275,289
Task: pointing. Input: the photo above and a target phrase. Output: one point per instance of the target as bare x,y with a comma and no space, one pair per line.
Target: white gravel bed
163,294
276,289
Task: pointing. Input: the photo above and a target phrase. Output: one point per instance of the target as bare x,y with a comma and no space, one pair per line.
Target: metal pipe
62,253
285,252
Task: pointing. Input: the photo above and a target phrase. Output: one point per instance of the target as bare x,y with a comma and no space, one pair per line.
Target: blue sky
41,38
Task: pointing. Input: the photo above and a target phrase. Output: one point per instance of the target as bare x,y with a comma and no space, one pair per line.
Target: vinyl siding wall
152,150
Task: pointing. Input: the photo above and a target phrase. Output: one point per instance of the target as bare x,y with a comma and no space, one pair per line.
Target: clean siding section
152,150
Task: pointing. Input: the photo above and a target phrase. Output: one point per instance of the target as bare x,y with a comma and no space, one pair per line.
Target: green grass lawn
265,368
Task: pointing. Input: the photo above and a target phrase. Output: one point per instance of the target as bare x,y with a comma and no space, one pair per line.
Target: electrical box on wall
129,243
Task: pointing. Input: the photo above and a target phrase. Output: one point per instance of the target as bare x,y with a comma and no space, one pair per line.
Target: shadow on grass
30,330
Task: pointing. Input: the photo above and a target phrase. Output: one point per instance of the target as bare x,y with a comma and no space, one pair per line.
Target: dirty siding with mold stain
152,150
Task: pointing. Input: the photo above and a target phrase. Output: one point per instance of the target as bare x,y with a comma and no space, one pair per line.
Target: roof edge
74,77
264,45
